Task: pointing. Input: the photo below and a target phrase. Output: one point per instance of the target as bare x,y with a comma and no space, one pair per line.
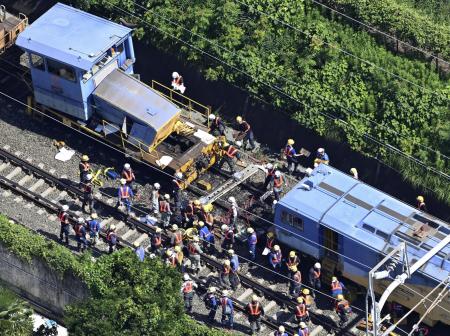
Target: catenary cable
332,117
380,32
165,173
270,71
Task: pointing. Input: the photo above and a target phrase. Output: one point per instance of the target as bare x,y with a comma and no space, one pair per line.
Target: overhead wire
278,90
381,32
170,175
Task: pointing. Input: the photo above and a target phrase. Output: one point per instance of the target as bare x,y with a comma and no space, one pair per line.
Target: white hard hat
281,329
123,181
321,150
175,75
89,177
238,143
212,289
80,220
174,227
167,196
224,227
231,199
112,227
225,292
230,251
269,166
254,298
277,173
156,185
186,276
274,202
211,117
179,175
317,265
127,166
250,230
302,325
65,207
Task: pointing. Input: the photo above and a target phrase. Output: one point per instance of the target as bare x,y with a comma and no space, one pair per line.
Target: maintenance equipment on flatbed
10,27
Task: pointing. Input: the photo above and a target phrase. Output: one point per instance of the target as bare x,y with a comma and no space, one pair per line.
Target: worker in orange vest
171,258
84,167
229,153
337,287
255,311
165,210
303,329
314,278
225,274
343,309
187,289
301,310
291,261
278,183
308,298
194,253
296,281
128,175
157,241
421,204
176,236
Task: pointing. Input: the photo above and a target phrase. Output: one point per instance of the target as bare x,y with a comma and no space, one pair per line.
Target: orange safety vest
190,210
124,192
224,301
173,260
231,151
157,240
209,219
178,80
288,150
84,166
344,304
177,183
292,261
336,285
128,175
63,217
276,257
278,181
178,238
110,233
164,206
269,243
192,249
316,274
78,229
300,310
254,309
187,288
226,269
298,277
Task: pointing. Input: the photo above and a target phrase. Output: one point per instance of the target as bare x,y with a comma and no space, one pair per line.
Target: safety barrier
179,99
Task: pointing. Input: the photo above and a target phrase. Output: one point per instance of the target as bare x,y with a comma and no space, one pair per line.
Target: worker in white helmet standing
278,184
216,125
155,198
178,82
233,211
128,175
315,278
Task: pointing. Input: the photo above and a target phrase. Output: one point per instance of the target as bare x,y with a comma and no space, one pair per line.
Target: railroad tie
14,173
317,330
141,238
36,185
48,191
24,180
245,295
119,226
106,222
3,166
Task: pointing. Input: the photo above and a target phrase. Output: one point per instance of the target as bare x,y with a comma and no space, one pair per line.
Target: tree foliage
15,315
307,63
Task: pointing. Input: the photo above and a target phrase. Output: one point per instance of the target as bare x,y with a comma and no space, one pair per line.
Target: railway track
46,190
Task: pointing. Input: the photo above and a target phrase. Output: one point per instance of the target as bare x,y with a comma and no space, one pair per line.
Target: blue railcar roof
71,36
367,215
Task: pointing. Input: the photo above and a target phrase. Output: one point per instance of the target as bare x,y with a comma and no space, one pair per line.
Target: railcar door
330,250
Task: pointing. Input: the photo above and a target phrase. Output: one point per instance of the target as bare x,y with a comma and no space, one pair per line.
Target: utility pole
394,258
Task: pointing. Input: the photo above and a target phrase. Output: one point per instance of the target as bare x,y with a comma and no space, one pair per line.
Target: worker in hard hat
234,263
270,243
315,278
206,237
125,195
321,157
291,261
301,310
111,238
303,329
178,82
211,302
233,211
157,242
227,305
128,175
275,258
177,187
63,217
224,276
308,298
194,253
228,237
84,167
343,309
255,311
354,172
139,250
278,184
229,155
337,287
291,156
216,125
187,289
176,236
245,133
269,169
421,203
296,281
94,228
80,234
88,193
165,210
252,240
155,198
280,332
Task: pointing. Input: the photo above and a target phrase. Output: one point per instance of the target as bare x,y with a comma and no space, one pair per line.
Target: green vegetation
424,24
15,315
128,297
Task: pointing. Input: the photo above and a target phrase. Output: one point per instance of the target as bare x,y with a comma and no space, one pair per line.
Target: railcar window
37,62
292,220
119,48
368,228
62,70
382,234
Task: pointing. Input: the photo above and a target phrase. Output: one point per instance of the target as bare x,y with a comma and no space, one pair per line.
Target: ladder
237,178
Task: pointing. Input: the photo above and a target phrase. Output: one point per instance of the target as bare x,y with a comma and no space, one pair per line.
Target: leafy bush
128,297
15,315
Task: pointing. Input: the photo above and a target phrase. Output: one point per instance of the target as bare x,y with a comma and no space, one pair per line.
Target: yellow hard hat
333,279
201,223
85,158
340,297
158,229
270,234
239,119
353,170
420,199
292,254
254,298
300,299
276,248
197,202
291,141
94,216
305,291
174,227
168,253
177,248
302,325
227,263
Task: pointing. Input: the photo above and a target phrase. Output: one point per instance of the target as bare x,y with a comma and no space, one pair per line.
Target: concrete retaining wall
37,282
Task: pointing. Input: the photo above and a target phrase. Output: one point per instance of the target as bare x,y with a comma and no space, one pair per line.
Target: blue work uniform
80,232
252,240
227,312
212,303
94,227
303,332
291,157
125,193
275,258
323,157
337,288
206,237
140,252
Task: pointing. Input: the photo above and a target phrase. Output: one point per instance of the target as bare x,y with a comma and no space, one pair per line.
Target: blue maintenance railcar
350,226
